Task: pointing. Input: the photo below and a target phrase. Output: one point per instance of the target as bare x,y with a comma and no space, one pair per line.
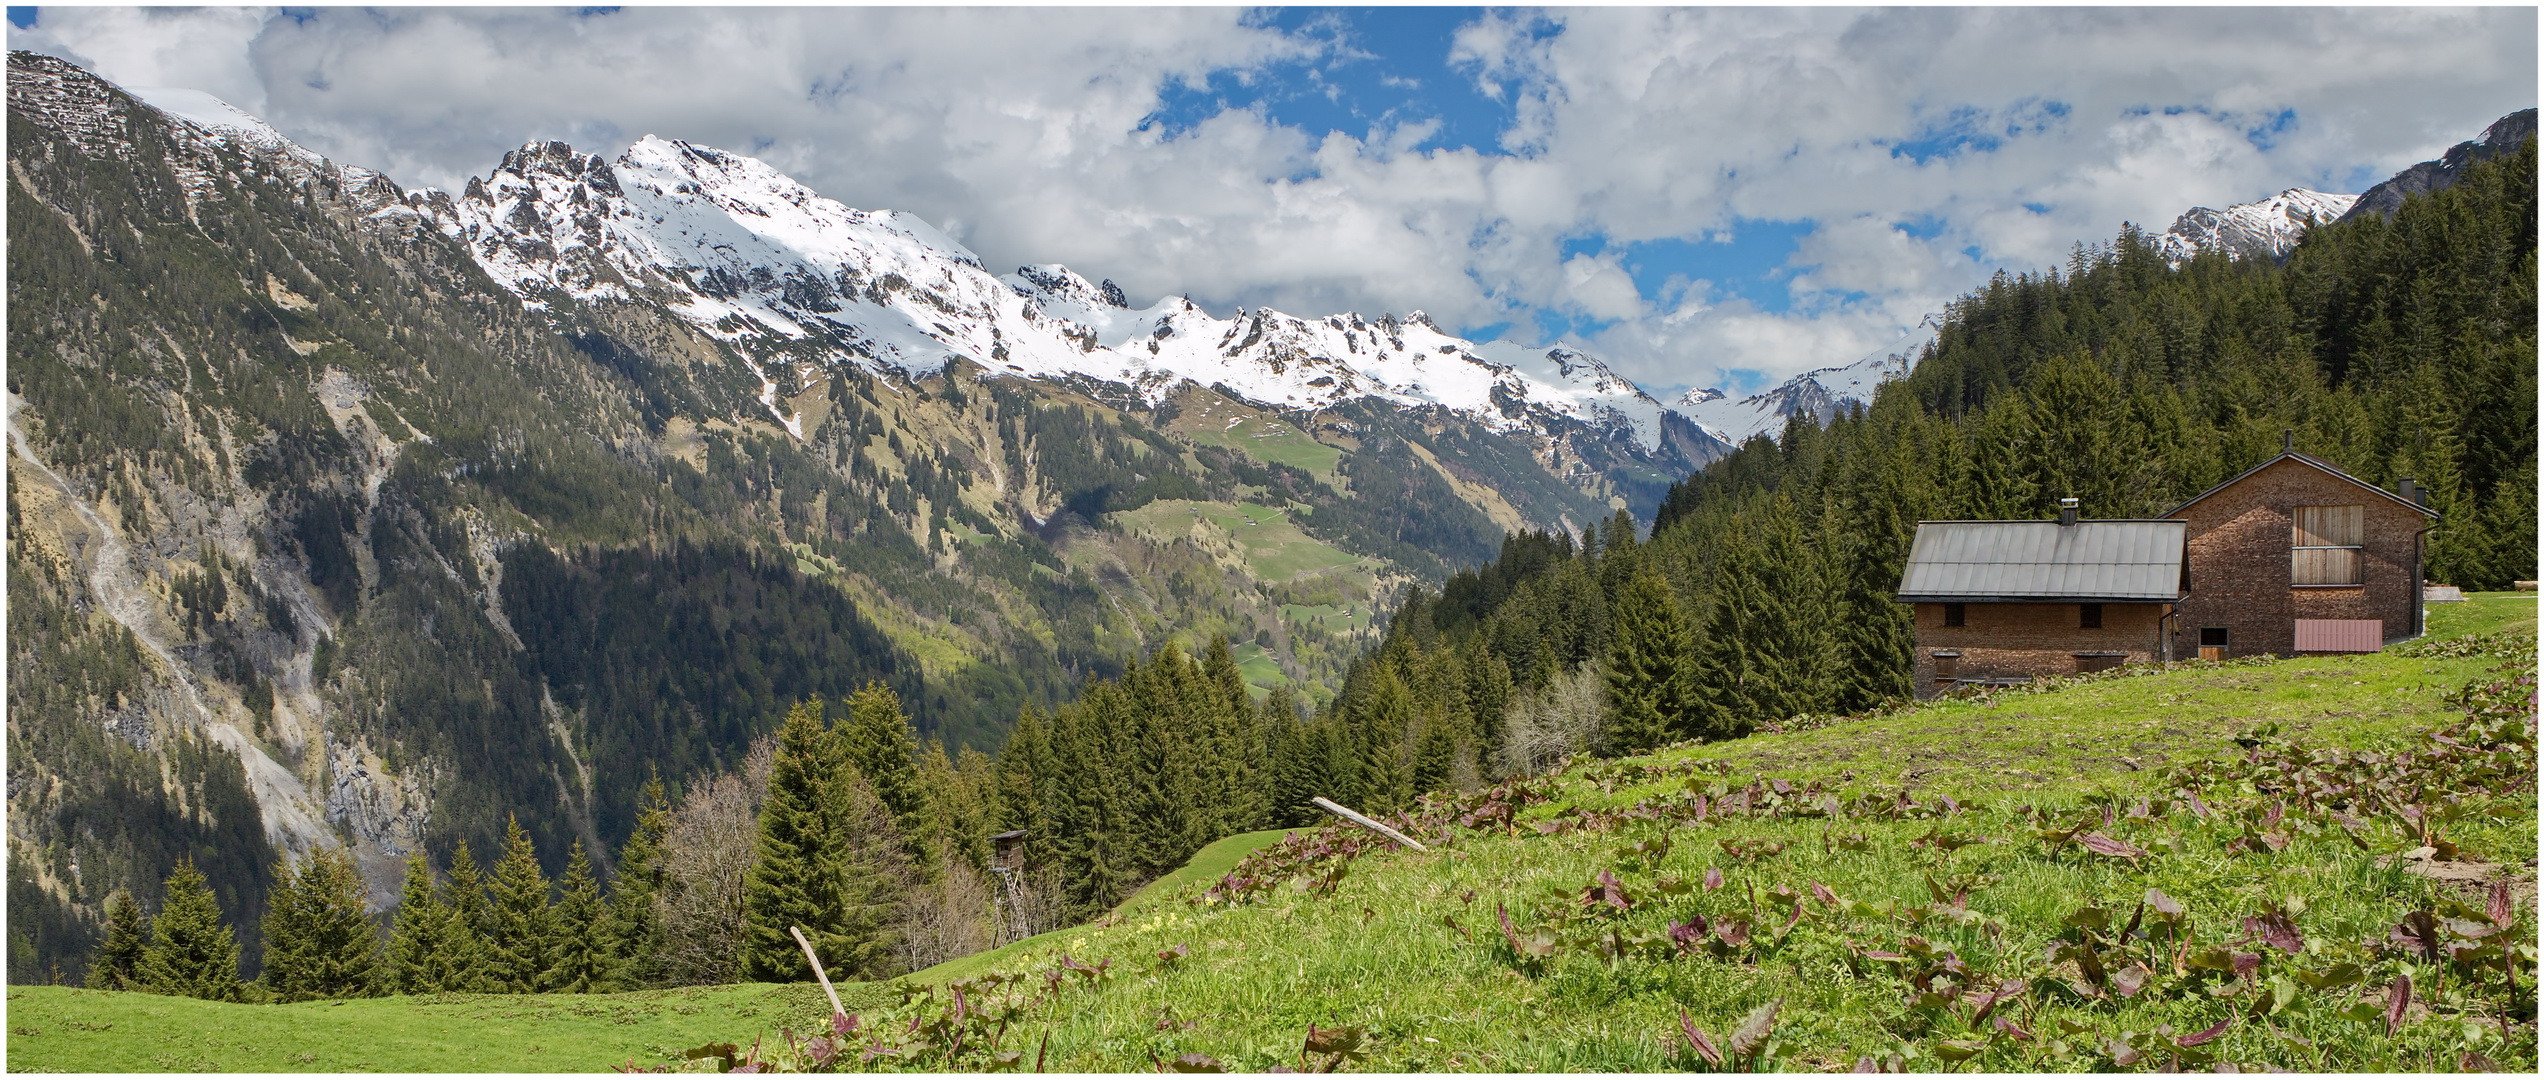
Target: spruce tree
797,876
318,942
117,965
1386,722
880,745
635,922
1873,643
1651,678
1024,779
416,940
462,962
522,948
586,954
192,952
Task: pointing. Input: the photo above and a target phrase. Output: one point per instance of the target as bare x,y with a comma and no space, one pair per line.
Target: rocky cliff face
2504,135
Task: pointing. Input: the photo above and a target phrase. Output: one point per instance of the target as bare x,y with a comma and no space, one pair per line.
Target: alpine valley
344,512
345,515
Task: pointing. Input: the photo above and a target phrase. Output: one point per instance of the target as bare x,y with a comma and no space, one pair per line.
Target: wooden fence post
1356,818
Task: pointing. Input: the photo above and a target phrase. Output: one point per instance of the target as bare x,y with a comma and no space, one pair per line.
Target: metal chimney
2067,511
2411,489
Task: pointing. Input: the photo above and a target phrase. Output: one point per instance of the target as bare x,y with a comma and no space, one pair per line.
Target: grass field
1328,617
1275,549
57,1029
1212,420
1261,670
1405,947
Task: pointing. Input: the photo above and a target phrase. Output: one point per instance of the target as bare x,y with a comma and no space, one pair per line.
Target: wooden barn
2003,602
2296,556
2293,556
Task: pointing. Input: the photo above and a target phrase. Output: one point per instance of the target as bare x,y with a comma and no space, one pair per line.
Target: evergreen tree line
2400,347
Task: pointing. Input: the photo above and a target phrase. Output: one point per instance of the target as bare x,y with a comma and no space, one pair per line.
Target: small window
2325,543
2089,616
1956,615
2213,637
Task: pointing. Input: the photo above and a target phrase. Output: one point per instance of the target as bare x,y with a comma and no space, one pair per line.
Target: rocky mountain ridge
2266,228
791,278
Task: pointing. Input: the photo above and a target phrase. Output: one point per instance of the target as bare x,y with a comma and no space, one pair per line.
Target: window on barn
1956,615
2324,545
2089,616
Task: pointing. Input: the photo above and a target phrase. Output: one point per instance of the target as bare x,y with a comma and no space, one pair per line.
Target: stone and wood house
2293,556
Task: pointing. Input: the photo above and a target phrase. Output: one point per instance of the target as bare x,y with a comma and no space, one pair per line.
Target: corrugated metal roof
2340,635
2122,561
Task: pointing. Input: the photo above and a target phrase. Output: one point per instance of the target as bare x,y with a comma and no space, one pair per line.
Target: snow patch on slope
2265,227
1821,393
761,261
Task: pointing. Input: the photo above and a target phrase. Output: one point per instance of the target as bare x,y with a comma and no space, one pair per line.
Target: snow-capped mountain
788,276
2504,136
1821,393
2266,227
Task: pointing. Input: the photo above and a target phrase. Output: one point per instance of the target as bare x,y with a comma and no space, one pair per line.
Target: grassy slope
54,1029
1379,954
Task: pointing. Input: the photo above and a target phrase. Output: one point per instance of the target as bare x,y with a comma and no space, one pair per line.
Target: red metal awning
2340,635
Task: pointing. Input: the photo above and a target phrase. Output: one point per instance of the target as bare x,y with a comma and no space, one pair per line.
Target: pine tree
1873,643
117,965
522,947
797,878
880,744
635,923
1386,725
318,943
586,952
1024,779
192,952
462,960
418,937
1651,678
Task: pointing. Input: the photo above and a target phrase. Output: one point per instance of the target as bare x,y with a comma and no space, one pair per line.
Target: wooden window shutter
2324,545
2331,526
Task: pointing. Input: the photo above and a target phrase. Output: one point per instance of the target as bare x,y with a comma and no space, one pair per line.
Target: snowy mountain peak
2266,227
759,260
1820,393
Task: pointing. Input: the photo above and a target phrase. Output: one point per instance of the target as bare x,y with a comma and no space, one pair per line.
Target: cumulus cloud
2005,134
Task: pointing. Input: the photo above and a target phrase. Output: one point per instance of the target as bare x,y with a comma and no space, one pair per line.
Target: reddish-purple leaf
2277,930
1607,890
2418,930
1508,934
1713,878
842,1024
1699,1041
2103,845
1865,1065
2163,905
2208,1036
2128,981
1733,932
2198,807
1196,1063
2503,910
1822,894
2011,1029
2397,999
2247,965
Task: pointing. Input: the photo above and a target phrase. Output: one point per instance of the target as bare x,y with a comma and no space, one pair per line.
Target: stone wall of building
2240,540
2032,641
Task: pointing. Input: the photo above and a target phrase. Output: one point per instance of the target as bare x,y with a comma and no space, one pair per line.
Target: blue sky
1703,197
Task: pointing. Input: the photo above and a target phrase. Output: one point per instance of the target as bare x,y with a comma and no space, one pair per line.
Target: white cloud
1019,131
